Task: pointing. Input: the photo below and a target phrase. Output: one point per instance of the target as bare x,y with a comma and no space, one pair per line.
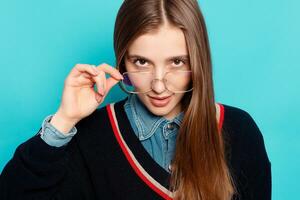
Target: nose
158,84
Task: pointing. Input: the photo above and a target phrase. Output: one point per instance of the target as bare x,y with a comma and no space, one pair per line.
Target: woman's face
159,52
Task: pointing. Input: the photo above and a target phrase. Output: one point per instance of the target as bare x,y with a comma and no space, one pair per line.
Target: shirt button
170,126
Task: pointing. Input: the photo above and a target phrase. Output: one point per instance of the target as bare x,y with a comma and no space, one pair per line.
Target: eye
141,61
178,62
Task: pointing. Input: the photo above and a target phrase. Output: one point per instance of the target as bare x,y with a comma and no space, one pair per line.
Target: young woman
168,139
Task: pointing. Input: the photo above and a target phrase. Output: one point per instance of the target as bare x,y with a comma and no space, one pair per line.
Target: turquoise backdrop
255,47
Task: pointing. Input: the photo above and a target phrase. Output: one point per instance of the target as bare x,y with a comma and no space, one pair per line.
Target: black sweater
105,160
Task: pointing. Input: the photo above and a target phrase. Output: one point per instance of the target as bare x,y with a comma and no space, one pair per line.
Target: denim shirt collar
146,122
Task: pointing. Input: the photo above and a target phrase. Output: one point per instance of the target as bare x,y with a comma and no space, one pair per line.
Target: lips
159,101
159,98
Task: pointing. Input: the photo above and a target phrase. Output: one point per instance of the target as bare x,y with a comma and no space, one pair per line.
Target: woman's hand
79,99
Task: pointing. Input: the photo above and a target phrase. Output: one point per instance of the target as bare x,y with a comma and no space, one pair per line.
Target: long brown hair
199,168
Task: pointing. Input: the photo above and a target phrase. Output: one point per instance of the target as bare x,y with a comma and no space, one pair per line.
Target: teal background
255,48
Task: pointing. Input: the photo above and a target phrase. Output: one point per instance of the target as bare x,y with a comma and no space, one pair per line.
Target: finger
100,82
81,68
110,70
86,75
98,98
110,82
103,82
86,78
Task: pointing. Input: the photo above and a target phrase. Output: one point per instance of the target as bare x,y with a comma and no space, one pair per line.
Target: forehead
164,42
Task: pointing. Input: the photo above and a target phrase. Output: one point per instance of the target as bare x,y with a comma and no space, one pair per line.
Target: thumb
110,82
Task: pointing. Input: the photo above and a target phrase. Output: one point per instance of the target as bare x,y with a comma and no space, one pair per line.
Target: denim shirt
157,134
54,137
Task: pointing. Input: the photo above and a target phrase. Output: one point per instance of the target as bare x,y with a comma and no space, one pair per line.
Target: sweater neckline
154,175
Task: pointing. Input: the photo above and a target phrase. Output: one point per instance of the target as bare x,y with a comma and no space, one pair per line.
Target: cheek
178,98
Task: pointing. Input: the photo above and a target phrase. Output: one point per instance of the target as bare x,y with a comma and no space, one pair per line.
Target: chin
159,111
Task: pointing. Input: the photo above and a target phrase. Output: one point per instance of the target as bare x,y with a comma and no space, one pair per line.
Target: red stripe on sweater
133,165
221,119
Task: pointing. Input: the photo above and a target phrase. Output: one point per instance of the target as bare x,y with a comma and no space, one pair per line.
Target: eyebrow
183,57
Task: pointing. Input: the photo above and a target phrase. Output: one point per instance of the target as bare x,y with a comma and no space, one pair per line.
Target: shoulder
239,121
235,114
242,134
